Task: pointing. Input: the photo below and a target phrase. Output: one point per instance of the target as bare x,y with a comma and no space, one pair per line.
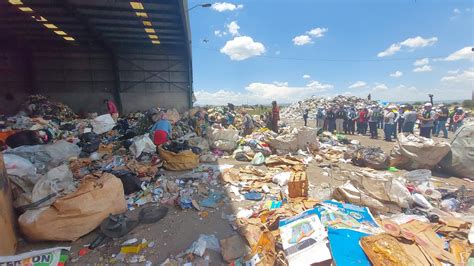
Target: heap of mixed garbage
296,110
379,208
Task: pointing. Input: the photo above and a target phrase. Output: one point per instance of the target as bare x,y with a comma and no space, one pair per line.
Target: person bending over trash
247,124
161,130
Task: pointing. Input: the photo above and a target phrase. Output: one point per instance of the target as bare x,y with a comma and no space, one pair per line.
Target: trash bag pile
367,207
39,105
296,110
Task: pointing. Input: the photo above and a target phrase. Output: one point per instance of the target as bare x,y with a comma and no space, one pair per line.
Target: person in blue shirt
161,130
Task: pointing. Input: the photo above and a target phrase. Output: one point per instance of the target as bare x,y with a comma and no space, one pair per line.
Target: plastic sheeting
414,152
460,161
142,144
45,157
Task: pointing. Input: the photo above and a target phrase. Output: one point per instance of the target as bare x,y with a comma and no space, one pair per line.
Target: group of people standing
392,119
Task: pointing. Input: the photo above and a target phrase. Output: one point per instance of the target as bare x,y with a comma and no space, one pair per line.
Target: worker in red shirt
113,111
275,116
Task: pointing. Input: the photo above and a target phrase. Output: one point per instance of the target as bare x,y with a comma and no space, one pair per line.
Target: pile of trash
39,105
296,110
93,174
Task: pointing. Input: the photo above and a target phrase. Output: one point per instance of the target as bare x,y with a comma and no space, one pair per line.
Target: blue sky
261,50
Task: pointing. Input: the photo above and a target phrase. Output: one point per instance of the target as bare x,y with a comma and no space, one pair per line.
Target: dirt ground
180,228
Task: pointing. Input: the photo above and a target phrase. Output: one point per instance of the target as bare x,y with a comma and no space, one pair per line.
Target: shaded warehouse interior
81,52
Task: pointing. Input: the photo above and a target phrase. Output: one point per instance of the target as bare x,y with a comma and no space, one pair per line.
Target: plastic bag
282,178
57,181
19,166
204,242
258,159
103,124
47,156
142,144
418,176
460,161
89,142
413,152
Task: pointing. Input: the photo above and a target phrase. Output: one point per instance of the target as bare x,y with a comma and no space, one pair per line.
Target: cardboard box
8,219
298,185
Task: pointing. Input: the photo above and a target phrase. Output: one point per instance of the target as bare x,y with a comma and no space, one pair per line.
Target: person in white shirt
389,123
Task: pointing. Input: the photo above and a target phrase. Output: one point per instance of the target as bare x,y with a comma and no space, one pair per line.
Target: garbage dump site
98,190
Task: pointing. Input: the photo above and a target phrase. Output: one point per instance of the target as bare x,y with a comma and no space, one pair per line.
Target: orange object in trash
5,134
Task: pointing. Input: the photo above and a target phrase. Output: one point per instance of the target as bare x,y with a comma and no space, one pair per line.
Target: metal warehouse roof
154,26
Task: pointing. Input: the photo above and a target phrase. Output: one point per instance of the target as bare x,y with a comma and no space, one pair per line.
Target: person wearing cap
410,116
389,124
427,118
373,120
458,118
305,117
443,115
401,118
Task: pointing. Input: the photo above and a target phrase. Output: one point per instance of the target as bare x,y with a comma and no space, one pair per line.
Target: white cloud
425,68
278,52
422,62
419,42
302,40
396,74
242,47
306,76
233,28
454,71
317,32
411,43
464,53
224,6
456,11
380,87
358,84
390,50
466,75
262,93
220,33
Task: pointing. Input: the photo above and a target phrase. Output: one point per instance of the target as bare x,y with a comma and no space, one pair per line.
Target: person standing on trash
112,108
320,117
373,121
161,130
458,119
389,124
427,118
247,124
340,116
275,116
351,119
443,115
305,117
410,117
331,118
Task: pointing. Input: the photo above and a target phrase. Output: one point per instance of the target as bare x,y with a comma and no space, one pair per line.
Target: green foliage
468,103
